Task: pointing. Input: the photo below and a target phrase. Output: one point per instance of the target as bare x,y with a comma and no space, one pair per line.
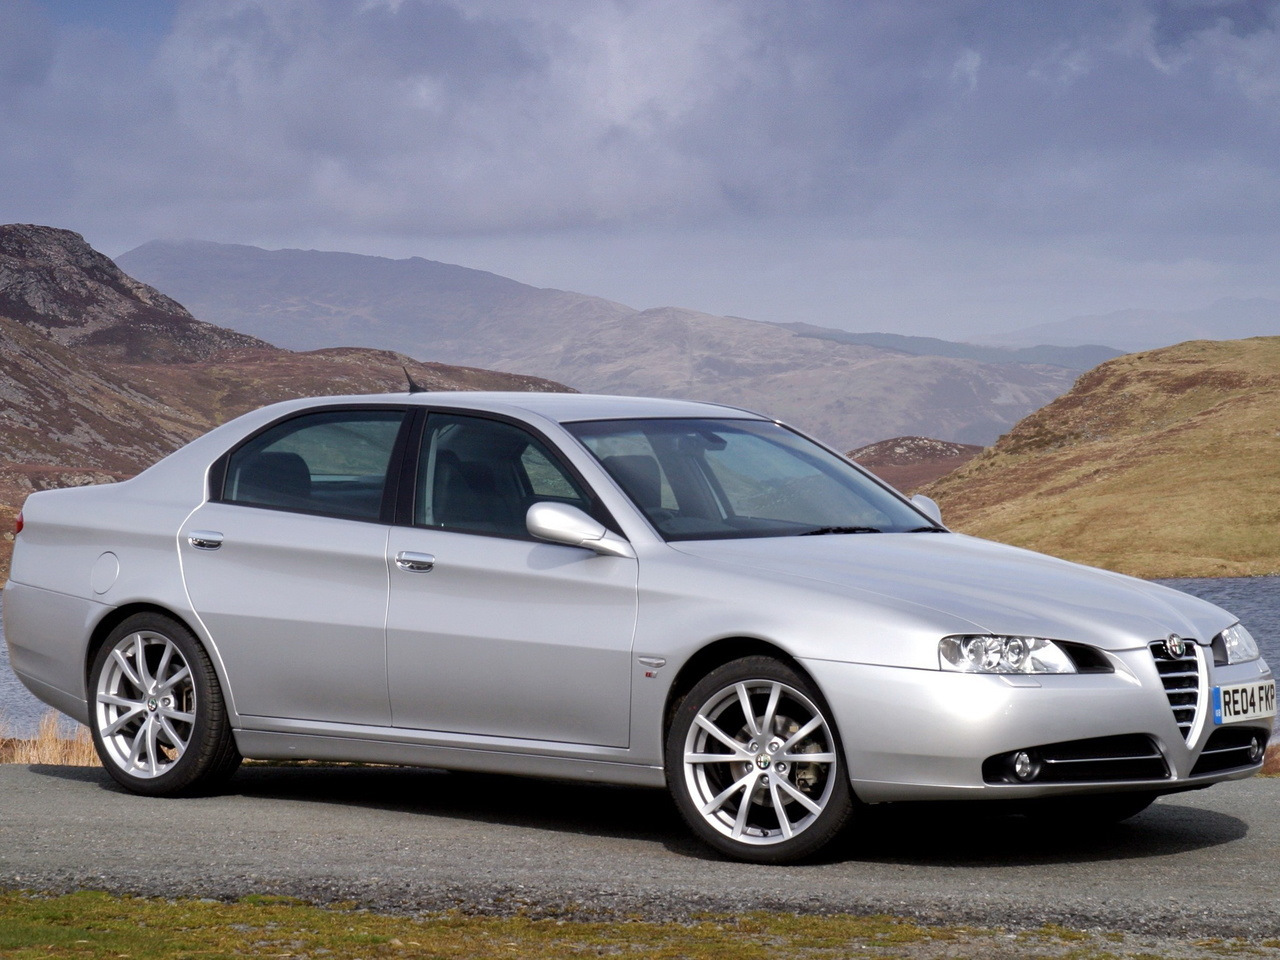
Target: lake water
1255,600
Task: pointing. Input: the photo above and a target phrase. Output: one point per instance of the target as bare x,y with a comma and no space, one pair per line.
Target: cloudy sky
945,167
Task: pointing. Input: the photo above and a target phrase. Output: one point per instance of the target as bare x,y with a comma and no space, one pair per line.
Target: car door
286,567
490,632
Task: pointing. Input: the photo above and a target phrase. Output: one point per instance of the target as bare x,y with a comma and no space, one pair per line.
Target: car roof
558,407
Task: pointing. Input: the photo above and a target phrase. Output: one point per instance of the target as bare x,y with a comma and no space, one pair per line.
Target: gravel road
1198,864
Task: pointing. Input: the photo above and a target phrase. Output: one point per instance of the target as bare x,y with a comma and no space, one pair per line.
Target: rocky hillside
101,375
53,282
1160,464
848,393
909,463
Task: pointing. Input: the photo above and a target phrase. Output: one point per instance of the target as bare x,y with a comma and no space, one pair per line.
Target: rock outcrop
909,463
52,281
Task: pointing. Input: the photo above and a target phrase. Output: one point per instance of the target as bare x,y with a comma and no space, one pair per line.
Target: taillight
17,524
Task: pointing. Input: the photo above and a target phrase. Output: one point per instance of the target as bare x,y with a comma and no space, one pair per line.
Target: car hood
997,588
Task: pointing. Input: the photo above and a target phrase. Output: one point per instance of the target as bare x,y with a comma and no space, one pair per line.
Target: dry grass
1271,765
1159,464
49,746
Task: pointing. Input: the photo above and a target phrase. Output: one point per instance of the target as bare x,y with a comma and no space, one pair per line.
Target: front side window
481,476
716,479
332,463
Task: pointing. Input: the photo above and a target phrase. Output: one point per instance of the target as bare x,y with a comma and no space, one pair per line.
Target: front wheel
158,719
754,763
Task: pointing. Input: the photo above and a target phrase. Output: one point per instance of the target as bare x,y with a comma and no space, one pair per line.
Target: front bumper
934,735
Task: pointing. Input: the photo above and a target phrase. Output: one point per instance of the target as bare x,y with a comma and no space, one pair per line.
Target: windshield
717,479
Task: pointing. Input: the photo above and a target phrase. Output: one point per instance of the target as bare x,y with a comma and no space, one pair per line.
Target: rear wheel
158,718
754,764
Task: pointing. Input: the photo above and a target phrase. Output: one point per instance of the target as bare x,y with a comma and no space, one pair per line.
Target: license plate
1244,701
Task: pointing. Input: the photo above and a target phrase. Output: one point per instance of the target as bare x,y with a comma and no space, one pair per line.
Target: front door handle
205,539
415,562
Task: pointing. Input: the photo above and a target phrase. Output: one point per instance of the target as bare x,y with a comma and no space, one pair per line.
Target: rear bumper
47,635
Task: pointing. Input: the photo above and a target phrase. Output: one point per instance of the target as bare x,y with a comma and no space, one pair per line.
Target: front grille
1132,756
1181,679
1231,747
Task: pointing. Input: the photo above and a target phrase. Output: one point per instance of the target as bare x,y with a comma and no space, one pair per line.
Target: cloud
1141,129
412,113
26,45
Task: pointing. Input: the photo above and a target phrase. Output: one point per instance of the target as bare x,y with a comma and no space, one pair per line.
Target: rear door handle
415,562
205,539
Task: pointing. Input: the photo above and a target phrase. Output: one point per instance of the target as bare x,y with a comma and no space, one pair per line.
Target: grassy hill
1158,464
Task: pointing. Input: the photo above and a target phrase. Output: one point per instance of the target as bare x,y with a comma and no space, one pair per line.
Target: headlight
1240,645
1003,655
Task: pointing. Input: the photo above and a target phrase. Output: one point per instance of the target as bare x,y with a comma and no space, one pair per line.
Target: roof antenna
414,386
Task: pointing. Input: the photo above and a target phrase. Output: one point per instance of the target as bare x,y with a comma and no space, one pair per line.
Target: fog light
1255,749
1024,766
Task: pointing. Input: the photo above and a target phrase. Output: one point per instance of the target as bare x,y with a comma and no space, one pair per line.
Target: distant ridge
847,393
312,299
1072,358
1230,318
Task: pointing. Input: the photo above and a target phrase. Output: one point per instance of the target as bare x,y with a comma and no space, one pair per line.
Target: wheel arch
717,654
118,616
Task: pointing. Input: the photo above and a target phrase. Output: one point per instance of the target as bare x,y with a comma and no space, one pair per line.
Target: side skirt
267,745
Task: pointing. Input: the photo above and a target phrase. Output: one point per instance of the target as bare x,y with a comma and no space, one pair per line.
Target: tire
765,784
158,719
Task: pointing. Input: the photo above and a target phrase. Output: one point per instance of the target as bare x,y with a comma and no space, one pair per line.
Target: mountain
101,375
1133,330
1082,357
909,463
847,393
308,299
55,283
1159,464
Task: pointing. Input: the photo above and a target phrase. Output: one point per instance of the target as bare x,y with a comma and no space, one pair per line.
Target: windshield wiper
821,531
926,530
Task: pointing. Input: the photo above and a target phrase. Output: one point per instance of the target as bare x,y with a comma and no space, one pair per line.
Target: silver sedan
616,589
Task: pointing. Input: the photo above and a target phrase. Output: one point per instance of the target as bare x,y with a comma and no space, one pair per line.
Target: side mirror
563,524
928,507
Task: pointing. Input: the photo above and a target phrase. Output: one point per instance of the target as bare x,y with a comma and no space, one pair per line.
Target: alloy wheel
759,767
146,704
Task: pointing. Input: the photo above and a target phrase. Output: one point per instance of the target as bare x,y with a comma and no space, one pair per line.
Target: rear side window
332,463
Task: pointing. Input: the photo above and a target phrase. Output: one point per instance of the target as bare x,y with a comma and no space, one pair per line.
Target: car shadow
964,835
557,805
979,835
